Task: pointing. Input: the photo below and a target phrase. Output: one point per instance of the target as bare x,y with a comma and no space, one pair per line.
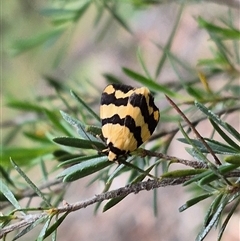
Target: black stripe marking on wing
138,100
128,122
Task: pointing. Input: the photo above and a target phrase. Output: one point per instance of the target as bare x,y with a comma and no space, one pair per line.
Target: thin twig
123,191
217,161
194,164
135,188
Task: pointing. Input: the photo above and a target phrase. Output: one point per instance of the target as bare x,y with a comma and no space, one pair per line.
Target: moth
129,117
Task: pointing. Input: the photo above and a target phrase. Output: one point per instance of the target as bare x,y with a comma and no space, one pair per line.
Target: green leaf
36,137
153,86
209,175
182,173
84,168
81,129
55,83
66,157
85,106
78,143
224,169
44,229
143,65
6,218
197,177
9,195
193,201
100,13
111,79
212,209
6,175
56,12
216,119
80,12
117,17
235,89
54,118
225,33
77,159
24,156
195,154
170,40
31,184
25,106
68,13
119,170
56,224
174,59
213,63
217,147
194,92
229,215
205,230
224,136
94,130
233,160
26,44
200,156
112,203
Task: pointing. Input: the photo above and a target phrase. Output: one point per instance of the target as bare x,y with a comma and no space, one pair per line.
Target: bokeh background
82,55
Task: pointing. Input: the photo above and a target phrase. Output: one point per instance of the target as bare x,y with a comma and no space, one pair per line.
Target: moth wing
129,117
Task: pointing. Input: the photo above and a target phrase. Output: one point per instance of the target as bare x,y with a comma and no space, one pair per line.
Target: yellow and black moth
129,117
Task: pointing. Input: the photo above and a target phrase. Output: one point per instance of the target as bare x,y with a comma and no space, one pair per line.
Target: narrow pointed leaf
225,33
84,168
182,173
213,207
193,201
233,160
9,195
37,40
168,45
224,169
44,229
24,156
225,136
56,224
117,17
79,126
25,106
54,118
148,82
75,160
78,143
112,79
85,106
31,184
215,118
94,130
217,147
229,215
6,175
112,203
205,230
80,12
